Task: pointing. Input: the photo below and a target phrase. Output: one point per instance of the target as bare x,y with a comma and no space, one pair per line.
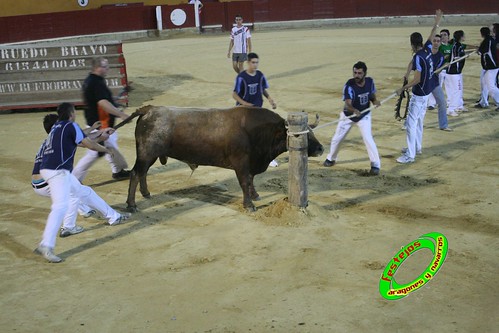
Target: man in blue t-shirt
57,156
250,86
422,85
87,201
358,93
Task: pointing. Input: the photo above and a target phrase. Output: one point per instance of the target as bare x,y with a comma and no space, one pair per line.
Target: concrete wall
33,7
284,10
264,13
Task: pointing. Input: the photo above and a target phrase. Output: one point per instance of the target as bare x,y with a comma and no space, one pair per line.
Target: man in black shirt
490,67
100,106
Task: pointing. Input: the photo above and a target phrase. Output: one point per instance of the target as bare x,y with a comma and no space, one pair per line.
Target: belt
38,186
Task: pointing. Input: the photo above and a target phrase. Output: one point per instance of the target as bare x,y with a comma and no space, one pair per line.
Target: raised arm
438,17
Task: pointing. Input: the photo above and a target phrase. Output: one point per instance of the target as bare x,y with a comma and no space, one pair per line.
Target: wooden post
298,159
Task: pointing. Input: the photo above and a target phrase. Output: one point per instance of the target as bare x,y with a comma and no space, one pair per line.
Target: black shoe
431,108
374,171
123,174
328,163
479,106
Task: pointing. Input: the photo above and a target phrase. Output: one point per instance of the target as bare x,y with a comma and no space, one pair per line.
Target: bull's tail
139,112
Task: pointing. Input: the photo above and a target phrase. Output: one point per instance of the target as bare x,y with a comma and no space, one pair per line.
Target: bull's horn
314,125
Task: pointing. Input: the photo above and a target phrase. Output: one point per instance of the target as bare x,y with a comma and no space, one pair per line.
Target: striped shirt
240,37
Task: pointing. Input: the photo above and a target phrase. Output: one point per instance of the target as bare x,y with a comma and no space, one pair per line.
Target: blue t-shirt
38,159
60,147
360,96
423,63
438,61
250,87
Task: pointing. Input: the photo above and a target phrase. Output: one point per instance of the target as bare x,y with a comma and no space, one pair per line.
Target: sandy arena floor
192,260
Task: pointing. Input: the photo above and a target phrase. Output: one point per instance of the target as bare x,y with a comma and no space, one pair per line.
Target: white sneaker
47,253
65,232
120,219
274,164
90,213
453,114
404,159
463,109
405,150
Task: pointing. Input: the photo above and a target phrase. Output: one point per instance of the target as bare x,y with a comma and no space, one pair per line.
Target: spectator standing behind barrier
240,44
57,155
250,86
200,5
100,106
490,67
358,93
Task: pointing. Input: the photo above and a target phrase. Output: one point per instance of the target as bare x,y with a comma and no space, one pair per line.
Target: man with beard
358,93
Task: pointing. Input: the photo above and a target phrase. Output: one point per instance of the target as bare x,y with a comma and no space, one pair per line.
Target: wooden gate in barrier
38,75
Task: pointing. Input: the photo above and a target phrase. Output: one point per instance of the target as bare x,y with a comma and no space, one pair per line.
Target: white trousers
414,124
490,86
66,192
82,208
454,89
484,91
342,130
117,161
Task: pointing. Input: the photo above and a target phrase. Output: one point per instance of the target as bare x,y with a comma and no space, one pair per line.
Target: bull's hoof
250,209
254,195
147,195
132,209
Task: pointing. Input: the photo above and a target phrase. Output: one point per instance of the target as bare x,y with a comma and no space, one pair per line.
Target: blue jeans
438,93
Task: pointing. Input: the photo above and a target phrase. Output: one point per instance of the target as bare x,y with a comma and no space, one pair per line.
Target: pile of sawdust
282,213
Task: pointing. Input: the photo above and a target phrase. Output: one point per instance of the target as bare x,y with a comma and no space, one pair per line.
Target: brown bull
244,139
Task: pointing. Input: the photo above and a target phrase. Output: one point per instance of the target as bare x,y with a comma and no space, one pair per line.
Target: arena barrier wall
38,75
137,17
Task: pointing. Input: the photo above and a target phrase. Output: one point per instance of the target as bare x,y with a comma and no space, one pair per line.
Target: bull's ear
317,118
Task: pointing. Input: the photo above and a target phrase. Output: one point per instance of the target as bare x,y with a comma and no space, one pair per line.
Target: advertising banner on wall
37,75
